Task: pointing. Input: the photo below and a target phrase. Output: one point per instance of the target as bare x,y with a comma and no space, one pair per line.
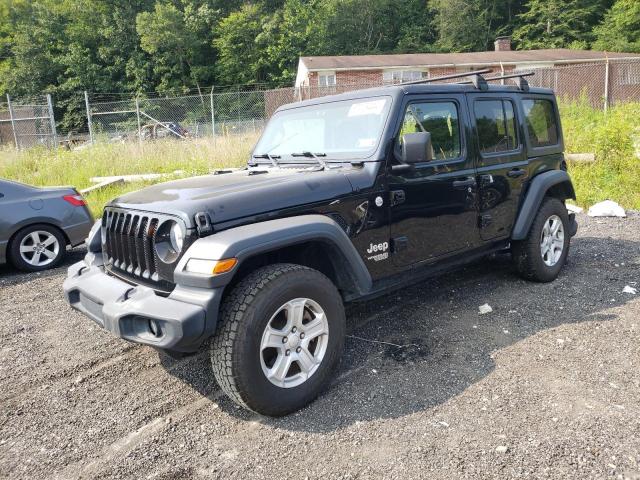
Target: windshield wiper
315,156
272,158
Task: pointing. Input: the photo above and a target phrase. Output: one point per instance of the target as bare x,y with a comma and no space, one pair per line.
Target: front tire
280,339
541,255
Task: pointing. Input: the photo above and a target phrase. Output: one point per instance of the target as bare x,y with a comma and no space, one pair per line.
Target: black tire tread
233,308
525,252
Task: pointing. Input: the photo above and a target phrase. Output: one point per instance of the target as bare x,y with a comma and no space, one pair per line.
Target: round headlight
103,230
169,240
176,236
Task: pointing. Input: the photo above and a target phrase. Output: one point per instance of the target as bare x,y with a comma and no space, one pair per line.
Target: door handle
464,183
516,172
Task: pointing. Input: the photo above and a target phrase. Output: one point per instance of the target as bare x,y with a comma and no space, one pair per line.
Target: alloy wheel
39,248
294,342
552,240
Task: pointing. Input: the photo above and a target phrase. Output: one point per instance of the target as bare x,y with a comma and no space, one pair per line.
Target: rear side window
541,122
441,120
496,124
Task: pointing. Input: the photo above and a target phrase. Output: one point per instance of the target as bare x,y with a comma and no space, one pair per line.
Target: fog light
155,329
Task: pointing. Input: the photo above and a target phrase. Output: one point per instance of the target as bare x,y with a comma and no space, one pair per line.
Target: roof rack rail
448,77
522,83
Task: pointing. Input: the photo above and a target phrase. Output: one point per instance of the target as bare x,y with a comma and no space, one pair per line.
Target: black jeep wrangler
345,197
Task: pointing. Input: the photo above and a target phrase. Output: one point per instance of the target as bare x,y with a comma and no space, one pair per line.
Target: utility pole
86,102
213,117
606,85
13,121
138,117
52,121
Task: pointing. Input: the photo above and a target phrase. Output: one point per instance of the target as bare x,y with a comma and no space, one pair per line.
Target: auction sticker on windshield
373,107
366,142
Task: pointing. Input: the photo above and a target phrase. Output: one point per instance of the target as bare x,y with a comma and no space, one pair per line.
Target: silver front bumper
180,322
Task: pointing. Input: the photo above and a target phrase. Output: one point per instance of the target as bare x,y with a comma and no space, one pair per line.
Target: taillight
75,200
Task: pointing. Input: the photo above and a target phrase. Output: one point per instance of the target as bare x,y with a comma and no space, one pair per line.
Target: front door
433,204
501,161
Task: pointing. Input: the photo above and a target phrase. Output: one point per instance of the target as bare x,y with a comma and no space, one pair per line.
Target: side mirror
416,147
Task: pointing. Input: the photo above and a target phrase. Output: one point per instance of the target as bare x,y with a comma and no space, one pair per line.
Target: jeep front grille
129,242
129,247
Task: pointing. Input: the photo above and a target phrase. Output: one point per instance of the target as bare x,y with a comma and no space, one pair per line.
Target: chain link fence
195,116
601,84
238,112
28,123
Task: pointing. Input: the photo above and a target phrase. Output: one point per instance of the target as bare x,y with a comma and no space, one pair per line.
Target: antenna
448,77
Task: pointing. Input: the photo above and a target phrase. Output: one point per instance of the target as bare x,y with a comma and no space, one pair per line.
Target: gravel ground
545,386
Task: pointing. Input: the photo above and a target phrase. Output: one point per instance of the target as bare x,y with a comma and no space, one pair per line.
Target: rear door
501,161
433,204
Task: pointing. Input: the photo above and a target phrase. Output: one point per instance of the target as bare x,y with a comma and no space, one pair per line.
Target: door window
440,119
496,126
541,122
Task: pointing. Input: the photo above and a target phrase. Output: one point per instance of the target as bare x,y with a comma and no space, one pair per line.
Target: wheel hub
39,248
294,342
552,240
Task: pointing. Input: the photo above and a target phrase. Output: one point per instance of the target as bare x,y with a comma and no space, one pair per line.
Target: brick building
325,74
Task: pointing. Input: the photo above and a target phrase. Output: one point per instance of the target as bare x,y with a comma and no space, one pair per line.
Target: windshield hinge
203,224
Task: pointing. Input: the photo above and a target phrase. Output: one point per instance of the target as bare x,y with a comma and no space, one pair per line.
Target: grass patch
44,167
615,139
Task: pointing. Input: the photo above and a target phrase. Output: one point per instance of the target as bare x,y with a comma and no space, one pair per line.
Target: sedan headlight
169,241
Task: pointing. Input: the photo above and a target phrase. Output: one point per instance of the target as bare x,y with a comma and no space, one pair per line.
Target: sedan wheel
39,248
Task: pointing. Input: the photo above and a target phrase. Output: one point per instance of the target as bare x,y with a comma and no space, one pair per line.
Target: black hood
239,194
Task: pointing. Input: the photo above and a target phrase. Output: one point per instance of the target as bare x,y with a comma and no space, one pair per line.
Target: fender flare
247,241
536,192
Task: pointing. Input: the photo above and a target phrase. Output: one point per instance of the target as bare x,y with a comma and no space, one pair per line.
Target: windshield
338,130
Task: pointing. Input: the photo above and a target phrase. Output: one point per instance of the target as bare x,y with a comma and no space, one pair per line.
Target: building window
400,76
327,79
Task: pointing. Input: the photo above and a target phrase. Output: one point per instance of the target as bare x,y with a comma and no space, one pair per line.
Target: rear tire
37,247
280,339
541,255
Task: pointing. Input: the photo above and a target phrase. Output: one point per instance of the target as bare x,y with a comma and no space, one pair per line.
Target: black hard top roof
398,91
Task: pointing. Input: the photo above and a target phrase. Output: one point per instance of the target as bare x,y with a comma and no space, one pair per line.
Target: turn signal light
224,266
210,267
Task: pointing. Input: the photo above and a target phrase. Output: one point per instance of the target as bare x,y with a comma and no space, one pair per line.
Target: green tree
355,27
620,30
290,34
473,25
558,23
238,43
462,25
173,39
